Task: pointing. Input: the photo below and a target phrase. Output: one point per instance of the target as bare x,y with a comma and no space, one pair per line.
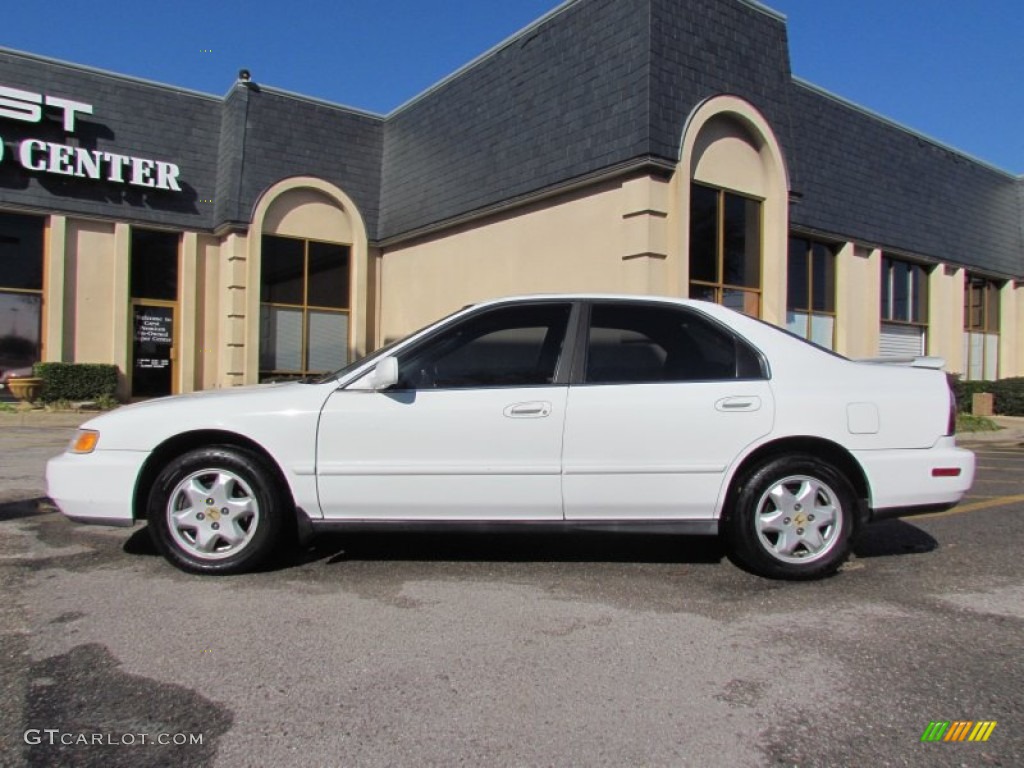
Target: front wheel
791,518
216,510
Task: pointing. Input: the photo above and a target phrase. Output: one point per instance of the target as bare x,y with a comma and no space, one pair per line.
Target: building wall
207,342
858,305
601,239
89,300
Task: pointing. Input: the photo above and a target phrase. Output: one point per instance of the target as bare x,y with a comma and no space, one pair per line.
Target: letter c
27,161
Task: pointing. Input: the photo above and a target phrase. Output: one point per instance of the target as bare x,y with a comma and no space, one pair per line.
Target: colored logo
958,730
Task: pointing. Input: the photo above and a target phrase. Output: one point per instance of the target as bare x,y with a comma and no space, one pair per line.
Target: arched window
305,272
735,210
725,248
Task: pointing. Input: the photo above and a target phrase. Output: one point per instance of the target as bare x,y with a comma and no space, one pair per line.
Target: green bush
76,381
1007,393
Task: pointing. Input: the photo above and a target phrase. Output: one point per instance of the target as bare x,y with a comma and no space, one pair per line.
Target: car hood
248,410
208,395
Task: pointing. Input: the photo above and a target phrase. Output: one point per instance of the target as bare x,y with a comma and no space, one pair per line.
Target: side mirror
385,374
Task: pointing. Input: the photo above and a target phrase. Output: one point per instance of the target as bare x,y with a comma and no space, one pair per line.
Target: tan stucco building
200,242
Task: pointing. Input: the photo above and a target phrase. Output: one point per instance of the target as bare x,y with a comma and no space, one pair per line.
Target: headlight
84,441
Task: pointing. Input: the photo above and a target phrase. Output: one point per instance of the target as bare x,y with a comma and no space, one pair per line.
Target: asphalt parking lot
379,650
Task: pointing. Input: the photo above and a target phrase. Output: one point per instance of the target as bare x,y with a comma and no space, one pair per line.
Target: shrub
1007,393
76,381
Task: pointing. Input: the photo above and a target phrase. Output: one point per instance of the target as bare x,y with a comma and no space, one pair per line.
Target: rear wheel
217,510
792,518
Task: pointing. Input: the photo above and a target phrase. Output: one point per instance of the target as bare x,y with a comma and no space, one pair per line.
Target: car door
665,400
472,430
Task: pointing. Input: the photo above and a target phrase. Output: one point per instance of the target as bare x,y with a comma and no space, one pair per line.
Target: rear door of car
663,399
473,429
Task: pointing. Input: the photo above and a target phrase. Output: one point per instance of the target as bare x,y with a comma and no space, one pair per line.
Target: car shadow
884,539
17,510
462,546
549,547
141,543
892,537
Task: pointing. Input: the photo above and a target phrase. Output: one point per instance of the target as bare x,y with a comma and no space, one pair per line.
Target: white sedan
563,411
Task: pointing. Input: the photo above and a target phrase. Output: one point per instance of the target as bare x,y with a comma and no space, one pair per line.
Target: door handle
535,410
730,404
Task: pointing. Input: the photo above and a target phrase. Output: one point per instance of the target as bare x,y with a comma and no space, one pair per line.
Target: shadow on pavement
17,510
561,547
883,539
85,694
140,543
892,537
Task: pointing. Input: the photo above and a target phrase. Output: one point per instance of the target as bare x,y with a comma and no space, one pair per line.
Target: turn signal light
85,441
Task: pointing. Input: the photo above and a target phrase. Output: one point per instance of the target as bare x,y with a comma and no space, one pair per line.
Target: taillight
951,424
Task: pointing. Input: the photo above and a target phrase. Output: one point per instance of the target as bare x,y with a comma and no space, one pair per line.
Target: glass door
153,358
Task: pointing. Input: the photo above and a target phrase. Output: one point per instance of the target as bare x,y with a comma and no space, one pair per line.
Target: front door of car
472,429
666,401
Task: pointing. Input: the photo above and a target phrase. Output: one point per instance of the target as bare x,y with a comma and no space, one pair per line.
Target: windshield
376,353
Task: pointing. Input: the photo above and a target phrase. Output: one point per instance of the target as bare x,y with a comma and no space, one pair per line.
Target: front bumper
903,482
95,487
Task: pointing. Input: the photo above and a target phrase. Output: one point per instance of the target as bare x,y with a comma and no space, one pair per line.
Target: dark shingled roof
563,99
864,178
601,83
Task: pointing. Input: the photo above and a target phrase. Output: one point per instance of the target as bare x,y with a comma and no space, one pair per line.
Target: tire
792,518
217,510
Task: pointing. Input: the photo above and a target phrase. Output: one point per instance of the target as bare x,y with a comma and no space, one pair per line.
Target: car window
647,344
502,347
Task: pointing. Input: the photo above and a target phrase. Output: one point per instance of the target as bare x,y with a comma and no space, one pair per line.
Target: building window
725,248
154,265
304,307
811,295
904,308
21,292
981,328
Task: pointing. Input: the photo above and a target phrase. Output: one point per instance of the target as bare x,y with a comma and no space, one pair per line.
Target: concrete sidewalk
1011,432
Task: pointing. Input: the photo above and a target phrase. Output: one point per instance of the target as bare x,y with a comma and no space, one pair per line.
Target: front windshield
377,353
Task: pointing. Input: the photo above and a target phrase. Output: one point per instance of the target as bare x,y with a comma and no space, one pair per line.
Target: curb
44,419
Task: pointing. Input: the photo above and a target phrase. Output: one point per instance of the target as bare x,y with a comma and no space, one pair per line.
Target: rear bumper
889,513
914,482
96,487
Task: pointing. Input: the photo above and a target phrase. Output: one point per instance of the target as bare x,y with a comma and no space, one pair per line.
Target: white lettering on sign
153,328
66,160
140,172
27,106
25,154
36,155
